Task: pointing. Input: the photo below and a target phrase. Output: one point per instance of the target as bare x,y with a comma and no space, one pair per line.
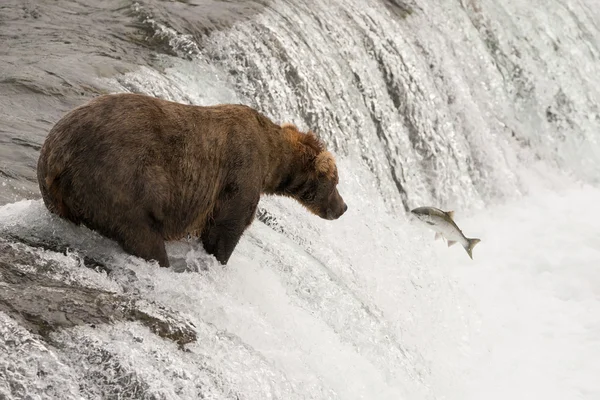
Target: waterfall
489,109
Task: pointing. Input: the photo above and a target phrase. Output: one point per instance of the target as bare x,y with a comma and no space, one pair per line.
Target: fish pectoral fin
450,214
438,236
451,242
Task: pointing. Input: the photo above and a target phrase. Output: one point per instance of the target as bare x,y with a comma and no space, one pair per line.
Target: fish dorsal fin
437,236
450,214
451,242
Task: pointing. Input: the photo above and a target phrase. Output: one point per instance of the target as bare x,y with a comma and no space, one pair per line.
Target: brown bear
141,170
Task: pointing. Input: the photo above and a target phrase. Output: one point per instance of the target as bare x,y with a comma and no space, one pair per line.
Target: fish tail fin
470,244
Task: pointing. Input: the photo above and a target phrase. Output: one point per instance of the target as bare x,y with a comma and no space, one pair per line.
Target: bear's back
132,126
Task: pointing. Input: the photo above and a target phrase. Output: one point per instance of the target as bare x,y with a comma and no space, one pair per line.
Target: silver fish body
443,224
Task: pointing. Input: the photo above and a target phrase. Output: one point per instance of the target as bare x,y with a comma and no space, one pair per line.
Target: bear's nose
345,207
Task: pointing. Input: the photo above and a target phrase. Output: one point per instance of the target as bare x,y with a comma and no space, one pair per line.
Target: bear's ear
311,140
325,164
289,125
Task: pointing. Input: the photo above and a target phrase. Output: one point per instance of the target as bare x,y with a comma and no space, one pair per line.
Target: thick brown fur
141,170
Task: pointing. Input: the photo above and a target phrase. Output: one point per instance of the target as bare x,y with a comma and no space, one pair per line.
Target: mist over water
486,109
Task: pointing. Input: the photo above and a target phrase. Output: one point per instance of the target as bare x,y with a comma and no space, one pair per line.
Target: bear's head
314,183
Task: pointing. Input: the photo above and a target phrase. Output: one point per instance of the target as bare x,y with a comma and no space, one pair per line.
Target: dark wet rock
34,226
267,218
44,304
56,246
400,8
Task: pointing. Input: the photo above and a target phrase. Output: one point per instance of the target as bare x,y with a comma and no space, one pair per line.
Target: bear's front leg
230,220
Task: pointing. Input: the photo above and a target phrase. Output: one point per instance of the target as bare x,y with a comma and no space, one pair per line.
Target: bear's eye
309,193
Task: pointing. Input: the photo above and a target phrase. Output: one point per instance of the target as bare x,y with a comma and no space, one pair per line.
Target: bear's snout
337,206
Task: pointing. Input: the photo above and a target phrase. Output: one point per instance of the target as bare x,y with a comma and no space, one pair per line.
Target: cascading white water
474,106
437,103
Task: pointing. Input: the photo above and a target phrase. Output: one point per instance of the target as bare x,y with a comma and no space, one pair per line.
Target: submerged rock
43,304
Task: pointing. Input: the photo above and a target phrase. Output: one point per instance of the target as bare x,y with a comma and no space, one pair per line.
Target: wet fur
141,170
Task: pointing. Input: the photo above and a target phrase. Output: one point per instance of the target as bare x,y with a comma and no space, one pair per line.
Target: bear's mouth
330,215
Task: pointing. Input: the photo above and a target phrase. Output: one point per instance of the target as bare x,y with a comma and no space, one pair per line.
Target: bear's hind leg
144,242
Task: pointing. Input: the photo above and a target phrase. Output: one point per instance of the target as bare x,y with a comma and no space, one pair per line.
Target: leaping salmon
442,222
